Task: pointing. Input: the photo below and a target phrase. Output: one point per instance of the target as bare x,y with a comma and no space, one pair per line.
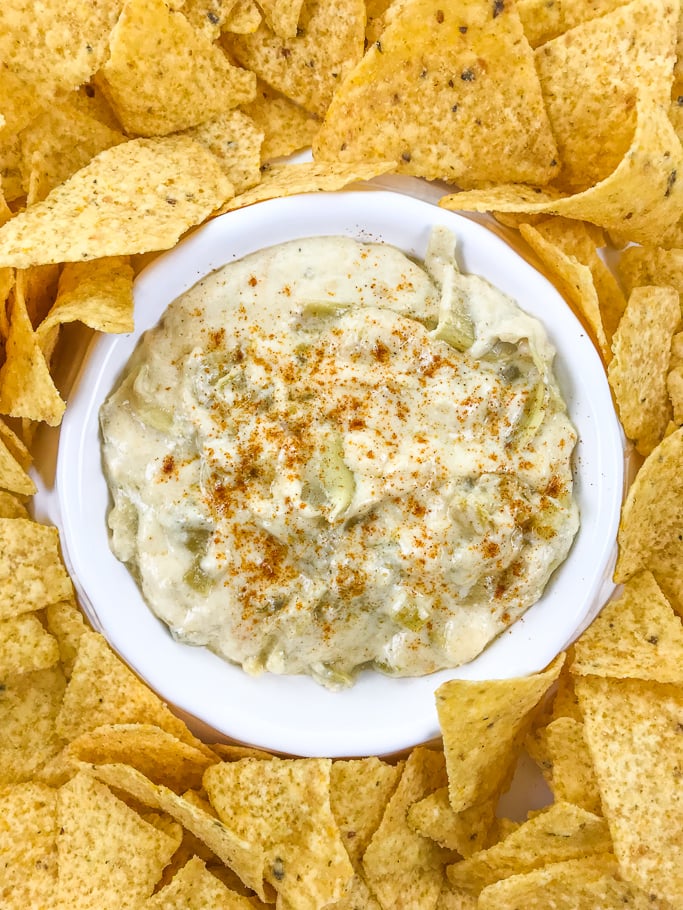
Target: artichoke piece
196,541
331,483
455,325
532,416
324,308
331,677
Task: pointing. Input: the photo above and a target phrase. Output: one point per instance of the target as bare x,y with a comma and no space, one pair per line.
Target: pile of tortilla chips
125,123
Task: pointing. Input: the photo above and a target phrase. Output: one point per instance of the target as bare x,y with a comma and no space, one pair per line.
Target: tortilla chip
466,831
90,100
561,753
58,143
25,646
633,729
674,379
310,66
359,793
11,506
286,126
400,865
579,884
432,91
483,724
13,477
574,279
11,182
282,16
307,863
108,855
290,179
20,102
110,207
163,75
28,707
97,293
60,48
636,636
195,888
158,755
28,832
638,373
207,16
65,621
26,387
102,690
357,896
643,265
236,142
543,21
630,49
244,855
652,517
230,752
555,834
31,572
245,17
639,201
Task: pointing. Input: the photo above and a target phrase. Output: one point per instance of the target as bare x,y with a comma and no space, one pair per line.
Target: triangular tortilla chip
282,16
447,93
32,575
466,831
286,126
28,834
194,888
561,752
236,142
25,646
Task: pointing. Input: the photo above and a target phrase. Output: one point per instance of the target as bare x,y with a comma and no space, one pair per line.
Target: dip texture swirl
328,457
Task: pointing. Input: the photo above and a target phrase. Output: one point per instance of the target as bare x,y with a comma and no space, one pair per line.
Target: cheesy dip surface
328,457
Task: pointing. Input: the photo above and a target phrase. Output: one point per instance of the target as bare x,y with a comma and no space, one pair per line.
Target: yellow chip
309,67
633,729
307,862
28,832
401,866
25,646
561,752
282,16
555,834
244,855
236,142
102,690
162,75
13,477
10,505
636,636
229,752
432,90
26,387
244,18
158,755
483,724
543,21
28,707
642,265
109,857
640,200
111,208
11,182
651,521
290,179
359,793
31,572
674,379
579,884
195,888
630,49
65,622
638,373
286,126
97,293
466,831
574,279
207,16
57,144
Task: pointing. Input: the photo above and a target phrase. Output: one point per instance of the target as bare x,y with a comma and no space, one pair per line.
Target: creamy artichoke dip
328,457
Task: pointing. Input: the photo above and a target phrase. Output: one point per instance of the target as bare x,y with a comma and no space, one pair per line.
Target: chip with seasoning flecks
32,575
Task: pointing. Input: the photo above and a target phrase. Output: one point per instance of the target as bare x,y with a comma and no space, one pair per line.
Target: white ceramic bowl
293,714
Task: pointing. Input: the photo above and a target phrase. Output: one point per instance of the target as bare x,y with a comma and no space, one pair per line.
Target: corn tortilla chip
674,379
640,200
20,102
207,16
290,179
236,142
643,265
630,49
163,75
558,833
11,506
31,572
543,21
483,724
447,94
466,831
13,477
110,208
309,66
651,530
307,863
28,832
561,752
97,293
245,17
282,16
195,888
286,126
65,621
25,646
245,856
633,729
108,856
11,182
28,707
636,636
401,865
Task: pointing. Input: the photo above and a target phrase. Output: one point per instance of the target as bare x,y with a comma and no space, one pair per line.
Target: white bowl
293,714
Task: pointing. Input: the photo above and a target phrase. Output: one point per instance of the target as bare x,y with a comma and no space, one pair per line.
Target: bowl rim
292,714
